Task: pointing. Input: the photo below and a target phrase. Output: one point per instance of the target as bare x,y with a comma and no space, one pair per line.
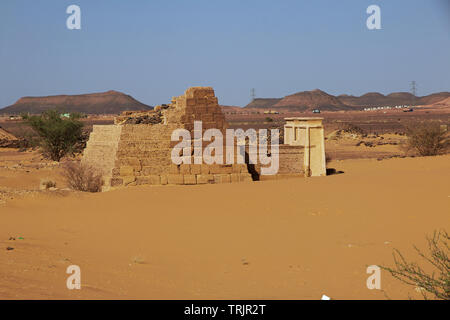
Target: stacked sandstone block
139,154
144,157
197,104
101,150
190,174
290,161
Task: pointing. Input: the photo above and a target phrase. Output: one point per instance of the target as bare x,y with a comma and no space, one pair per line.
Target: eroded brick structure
137,149
309,134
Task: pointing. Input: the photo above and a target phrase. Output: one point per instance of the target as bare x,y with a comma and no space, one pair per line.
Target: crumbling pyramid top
196,104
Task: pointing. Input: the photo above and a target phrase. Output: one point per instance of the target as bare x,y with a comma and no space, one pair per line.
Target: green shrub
59,135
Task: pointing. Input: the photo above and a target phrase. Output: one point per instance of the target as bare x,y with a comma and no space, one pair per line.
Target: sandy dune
285,239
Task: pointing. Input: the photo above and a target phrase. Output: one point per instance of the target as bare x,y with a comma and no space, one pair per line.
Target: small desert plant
83,177
412,274
351,128
59,135
138,260
427,139
47,184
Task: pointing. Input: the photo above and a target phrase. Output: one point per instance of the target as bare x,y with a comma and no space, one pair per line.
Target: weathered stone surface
137,149
126,171
204,169
190,179
129,180
196,169
175,179
308,133
245,177
222,178
142,180
174,169
154,179
185,169
205,178
101,152
234,177
115,182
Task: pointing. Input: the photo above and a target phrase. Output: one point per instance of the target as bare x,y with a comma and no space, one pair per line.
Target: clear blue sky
155,49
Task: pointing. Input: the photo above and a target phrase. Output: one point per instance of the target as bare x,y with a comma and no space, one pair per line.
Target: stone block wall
140,154
101,150
137,149
144,157
290,164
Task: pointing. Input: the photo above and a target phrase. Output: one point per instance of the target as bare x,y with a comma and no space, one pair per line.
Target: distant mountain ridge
110,102
114,102
308,100
318,99
263,102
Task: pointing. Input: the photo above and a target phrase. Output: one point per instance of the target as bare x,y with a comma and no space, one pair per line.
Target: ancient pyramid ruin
136,150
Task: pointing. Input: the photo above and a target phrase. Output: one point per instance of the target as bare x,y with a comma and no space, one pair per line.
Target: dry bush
438,282
47,184
426,139
83,177
351,128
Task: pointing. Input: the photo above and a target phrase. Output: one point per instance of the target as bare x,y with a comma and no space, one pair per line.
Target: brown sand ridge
283,239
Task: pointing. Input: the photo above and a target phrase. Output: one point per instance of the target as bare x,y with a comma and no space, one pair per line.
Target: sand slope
286,239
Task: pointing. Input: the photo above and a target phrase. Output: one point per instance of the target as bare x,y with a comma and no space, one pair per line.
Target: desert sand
285,239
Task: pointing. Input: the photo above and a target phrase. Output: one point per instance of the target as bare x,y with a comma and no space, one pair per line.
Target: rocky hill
318,99
376,99
434,98
110,102
309,100
442,103
263,102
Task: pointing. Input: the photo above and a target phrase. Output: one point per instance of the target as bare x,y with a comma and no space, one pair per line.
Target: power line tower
252,94
413,91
